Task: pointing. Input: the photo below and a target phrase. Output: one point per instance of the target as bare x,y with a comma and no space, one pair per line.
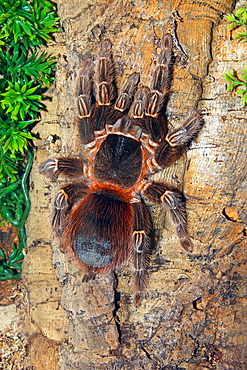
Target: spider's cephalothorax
101,218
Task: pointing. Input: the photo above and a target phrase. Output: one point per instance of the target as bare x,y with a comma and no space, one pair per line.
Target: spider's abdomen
99,230
118,161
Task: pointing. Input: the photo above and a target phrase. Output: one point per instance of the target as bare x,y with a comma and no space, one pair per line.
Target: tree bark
193,314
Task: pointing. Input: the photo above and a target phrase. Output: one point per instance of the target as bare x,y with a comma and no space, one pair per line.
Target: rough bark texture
193,316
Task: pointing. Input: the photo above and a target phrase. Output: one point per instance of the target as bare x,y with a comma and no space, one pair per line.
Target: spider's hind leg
64,201
177,140
142,248
175,202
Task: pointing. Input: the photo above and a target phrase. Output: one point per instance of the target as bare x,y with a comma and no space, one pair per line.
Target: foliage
25,26
235,82
237,20
17,67
15,207
238,84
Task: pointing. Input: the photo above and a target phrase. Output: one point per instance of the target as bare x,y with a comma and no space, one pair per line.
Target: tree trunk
193,314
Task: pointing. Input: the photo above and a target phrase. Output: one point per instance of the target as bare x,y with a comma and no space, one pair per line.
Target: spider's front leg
105,90
84,102
142,248
125,98
149,103
104,86
94,112
162,75
71,167
175,202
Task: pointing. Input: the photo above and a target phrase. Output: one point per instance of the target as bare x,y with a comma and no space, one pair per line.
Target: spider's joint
154,104
91,144
153,165
150,145
168,199
121,102
139,237
55,165
87,171
61,200
107,103
135,198
83,107
104,89
174,138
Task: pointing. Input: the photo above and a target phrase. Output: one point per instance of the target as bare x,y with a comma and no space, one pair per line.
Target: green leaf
241,91
27,135
31,91
244,99
24,88
2,255
27,28
230,18
24,27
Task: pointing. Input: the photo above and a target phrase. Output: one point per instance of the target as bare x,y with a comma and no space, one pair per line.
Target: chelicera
100,217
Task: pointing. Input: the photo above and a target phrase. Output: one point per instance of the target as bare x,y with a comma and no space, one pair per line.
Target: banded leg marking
68,166
64,200
182,136
175,202
141,245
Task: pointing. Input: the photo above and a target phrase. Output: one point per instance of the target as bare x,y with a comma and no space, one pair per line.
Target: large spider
101,218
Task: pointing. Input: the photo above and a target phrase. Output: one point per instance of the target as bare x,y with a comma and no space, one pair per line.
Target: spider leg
65,199
142,248
104,73
84,103
140,103
124,99
177,140
104,87
138,110
105,90
149,103
162,74
175,202
71,167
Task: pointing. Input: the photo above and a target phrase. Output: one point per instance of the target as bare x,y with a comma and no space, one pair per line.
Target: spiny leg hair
125,98
142,244
84,102
177,140
149,102
70,167
182,136
104,75
175,202
65,199
161,77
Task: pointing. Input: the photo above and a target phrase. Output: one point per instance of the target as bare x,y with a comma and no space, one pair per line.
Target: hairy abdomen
99,230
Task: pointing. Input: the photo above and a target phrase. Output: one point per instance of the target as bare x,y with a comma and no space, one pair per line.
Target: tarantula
101,218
